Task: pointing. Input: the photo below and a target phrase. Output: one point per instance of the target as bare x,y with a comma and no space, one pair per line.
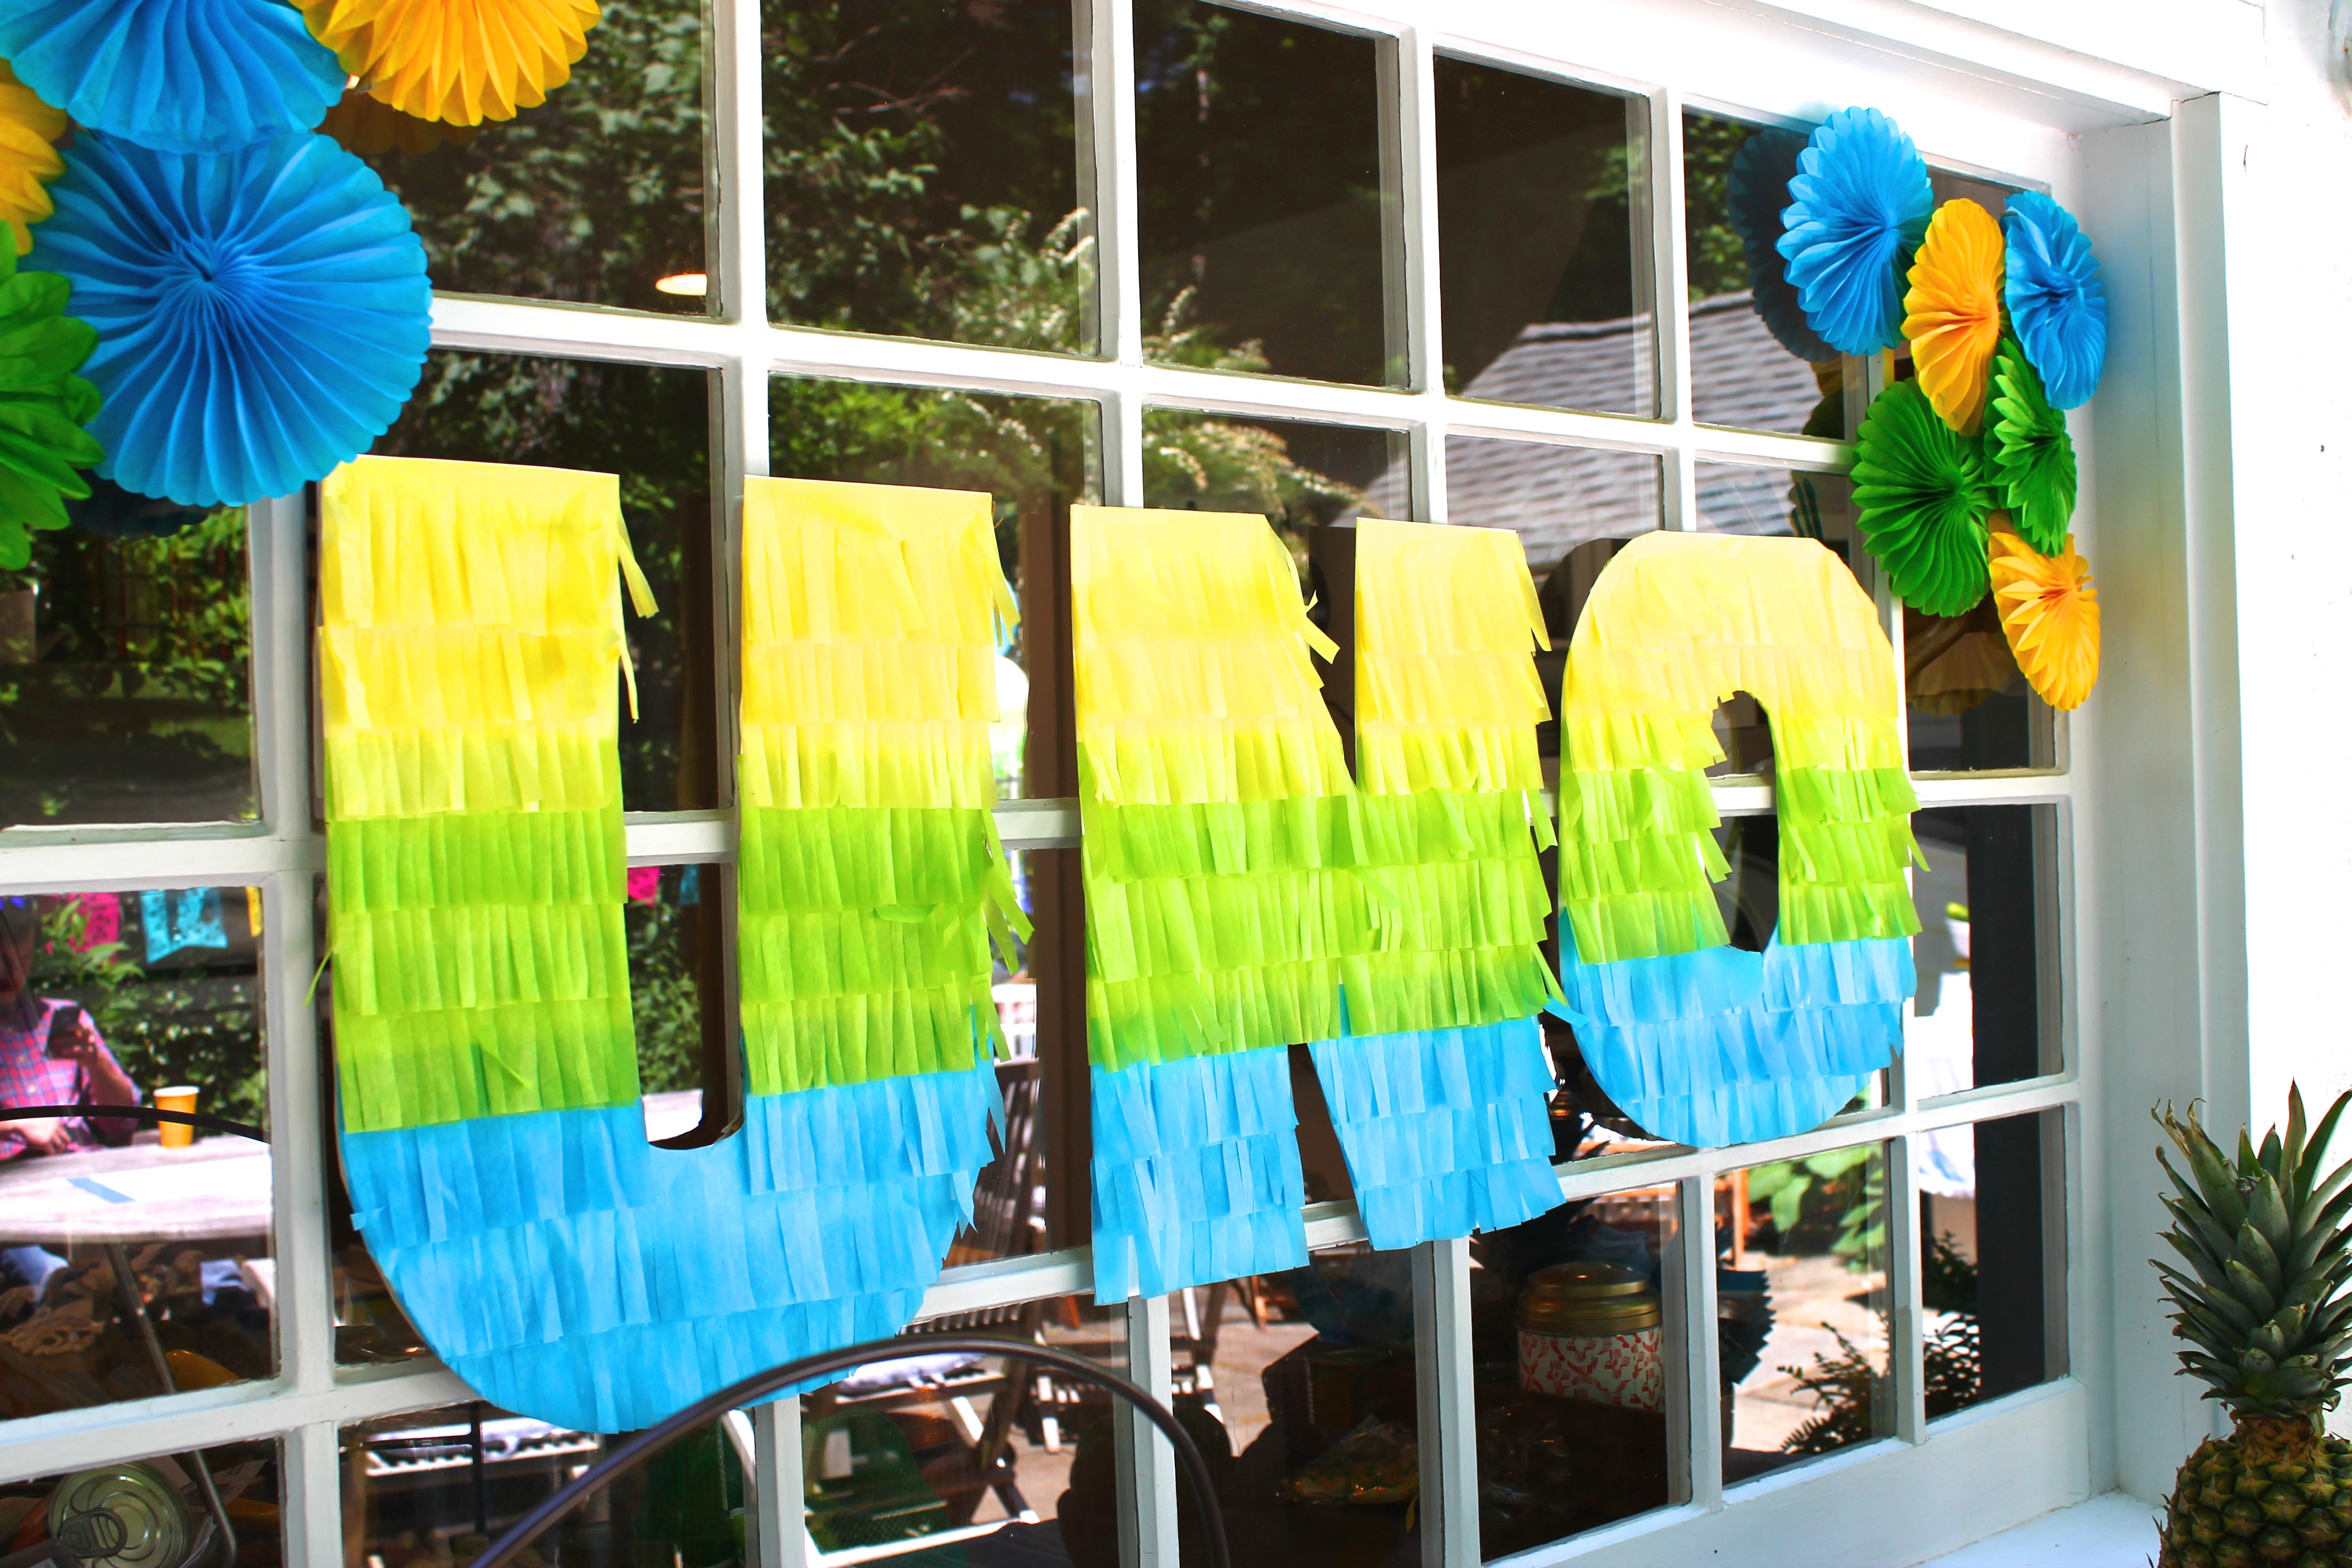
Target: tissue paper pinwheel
1225,903
1857,209
2056,299
1439,1092
1698,1041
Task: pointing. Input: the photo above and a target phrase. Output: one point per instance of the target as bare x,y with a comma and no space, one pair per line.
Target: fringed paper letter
1440,1100
1698,1041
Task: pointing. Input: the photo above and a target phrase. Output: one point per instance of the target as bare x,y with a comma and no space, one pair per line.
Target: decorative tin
1591,1331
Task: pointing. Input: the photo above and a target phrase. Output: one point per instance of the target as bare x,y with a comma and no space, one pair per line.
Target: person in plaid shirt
37,1069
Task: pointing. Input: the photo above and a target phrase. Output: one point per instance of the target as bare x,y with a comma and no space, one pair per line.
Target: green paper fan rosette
1920,489
2029,455
43,404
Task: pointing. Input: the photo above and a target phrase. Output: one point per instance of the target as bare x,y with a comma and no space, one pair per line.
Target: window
1161,252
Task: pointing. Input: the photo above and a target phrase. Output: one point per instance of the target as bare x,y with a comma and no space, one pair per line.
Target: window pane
1969,706
1987,1010
1575,1368
1803,1308
156,1507
1754,363
652,423
437,1486
134,1258
1543,222
1017,1458
1299,475
1300,1388
1992,1258
1555,497
125,669
922,171
598,194
1268,244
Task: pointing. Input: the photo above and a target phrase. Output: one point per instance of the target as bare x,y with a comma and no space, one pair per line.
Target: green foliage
1834,1202
1851,1389
1718,263
664,997
164,1027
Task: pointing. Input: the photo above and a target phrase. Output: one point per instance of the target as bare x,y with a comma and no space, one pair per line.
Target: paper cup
180,1097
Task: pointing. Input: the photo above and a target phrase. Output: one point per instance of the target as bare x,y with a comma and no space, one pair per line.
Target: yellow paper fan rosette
2050,613
28,127
1952,315
458,61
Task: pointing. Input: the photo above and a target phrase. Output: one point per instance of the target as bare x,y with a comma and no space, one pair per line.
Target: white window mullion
1447,1400
1105,43
1669,254
740,288
1694,1407
1147,1464
1906,1307
299,1156
310,1491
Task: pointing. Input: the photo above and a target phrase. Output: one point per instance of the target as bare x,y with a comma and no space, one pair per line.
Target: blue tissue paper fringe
571,1272
1857,209
2056,302
1446,1131
1754,193
182,76
1196,1173
1725,1046
262,314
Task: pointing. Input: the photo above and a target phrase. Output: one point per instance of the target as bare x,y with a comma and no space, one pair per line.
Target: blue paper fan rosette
2056,303
1858,209
1755,192
262,314
186,75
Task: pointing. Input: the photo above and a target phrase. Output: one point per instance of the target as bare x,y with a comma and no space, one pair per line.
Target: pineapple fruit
2261,1304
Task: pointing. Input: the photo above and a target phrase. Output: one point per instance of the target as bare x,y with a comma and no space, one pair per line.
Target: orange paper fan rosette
2050,613
28,127
1953,311
458,61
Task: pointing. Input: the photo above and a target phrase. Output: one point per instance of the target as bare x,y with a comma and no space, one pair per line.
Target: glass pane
922,171
1574,1368
1037,456
1009,1215
652,423
1754,363
1268,244
1992,1258
598,194
1300,1388
436,1487
1555,497
134,1258
1802,1287
1016,1459
1969,706
155,1507
1543,224
126,654
1987,1010
1299,475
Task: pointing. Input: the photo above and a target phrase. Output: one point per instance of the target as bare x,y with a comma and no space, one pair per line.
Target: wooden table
215,1189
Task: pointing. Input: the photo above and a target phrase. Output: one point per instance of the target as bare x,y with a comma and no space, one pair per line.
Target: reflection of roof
1559,497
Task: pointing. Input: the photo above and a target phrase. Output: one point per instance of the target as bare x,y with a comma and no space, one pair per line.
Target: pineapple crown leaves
2264,1240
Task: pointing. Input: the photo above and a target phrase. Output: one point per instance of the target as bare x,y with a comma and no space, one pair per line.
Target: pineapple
2263,1305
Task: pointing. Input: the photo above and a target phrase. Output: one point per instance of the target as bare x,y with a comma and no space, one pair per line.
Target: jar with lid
1592,1331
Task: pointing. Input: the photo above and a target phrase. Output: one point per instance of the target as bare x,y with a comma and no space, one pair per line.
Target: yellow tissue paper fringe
471,630
870,877
458,61
1952,314
1223,837
1677,624
28,159
2050,613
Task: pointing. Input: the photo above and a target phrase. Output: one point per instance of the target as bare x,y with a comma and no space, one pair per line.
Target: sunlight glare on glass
688,283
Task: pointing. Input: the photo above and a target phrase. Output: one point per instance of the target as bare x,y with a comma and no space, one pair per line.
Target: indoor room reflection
1301,1390
979,1461
1037,457
1802,1308
599,195
126,668
431,1489
1992,1258
1270,234
135,1256
214,1506
1575,1367
653,424
921,171
1987,1008
1544,224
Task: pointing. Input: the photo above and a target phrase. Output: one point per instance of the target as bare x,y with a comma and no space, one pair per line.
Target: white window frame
2094,133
